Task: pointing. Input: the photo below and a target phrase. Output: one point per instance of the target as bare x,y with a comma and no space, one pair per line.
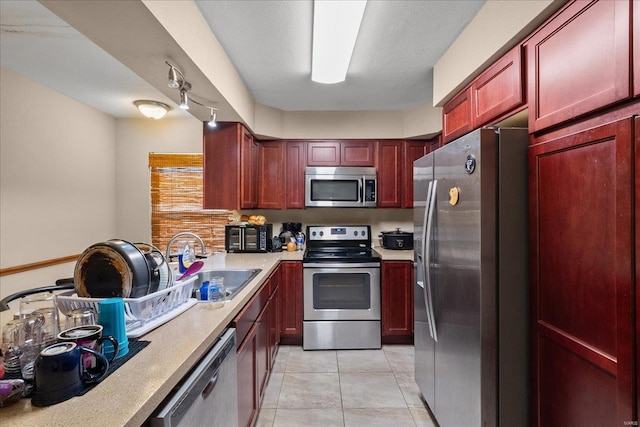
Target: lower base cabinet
584,275
247,399
291,302
258,338
397,302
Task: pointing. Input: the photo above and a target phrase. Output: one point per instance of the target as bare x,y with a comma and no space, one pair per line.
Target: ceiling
268,42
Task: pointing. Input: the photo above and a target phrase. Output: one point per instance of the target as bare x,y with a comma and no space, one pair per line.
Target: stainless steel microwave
340,187
247,238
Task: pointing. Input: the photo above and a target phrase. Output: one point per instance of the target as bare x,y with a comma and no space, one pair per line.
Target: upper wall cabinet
295,154
270,175
636,47
230,158
579,61
495,92
457,118
499,89
389,170
341,153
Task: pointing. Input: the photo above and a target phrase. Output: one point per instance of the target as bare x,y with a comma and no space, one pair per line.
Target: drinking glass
80,317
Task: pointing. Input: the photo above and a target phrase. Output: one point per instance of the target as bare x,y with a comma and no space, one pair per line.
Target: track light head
173,78
184,100
212,123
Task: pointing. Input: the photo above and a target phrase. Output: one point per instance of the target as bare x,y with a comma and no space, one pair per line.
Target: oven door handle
341,264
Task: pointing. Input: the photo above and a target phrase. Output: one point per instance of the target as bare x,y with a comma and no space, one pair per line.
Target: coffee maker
289,231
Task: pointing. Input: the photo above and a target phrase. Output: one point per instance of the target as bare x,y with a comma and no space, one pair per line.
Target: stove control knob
313,233
321,233
355,233
362,232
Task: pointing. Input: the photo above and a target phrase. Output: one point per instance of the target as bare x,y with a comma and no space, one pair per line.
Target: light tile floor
350,388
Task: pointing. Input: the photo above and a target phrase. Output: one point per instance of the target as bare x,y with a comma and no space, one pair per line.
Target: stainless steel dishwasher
208,394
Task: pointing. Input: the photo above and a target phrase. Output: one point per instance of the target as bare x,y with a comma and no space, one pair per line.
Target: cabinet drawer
247,317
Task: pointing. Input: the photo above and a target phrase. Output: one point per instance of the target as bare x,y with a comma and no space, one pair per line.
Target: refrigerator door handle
427,260
424,259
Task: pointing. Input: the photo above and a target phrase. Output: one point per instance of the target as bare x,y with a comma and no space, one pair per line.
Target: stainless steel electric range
341,289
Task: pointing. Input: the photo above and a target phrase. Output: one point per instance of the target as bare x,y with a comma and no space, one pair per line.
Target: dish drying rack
141,314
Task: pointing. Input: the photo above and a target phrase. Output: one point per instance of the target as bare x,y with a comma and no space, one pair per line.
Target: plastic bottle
216,292
299,241
186,257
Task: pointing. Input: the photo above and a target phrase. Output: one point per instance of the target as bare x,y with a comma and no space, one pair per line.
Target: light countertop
130,394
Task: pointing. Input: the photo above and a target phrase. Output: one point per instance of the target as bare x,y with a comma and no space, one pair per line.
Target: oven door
347,292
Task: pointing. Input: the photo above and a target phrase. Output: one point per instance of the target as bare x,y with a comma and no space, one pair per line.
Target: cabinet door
581,204
247,398
291,302
357,153
397,299
221,159
294,172
323,153
636,138
457,118
413,150
248,175
262,351
390,169
270,175
578,62
636,48
498,90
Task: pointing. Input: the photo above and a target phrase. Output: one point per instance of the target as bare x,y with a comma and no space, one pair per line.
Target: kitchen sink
234,280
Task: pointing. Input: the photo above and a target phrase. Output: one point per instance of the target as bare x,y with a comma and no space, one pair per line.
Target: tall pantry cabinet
583,211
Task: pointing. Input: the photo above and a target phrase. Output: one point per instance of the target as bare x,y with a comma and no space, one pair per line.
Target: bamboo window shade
177,200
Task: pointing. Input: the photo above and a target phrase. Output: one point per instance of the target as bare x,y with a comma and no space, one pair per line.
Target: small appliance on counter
397,240
247,238
290,231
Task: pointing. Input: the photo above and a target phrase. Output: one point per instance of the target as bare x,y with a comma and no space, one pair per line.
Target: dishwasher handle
209,387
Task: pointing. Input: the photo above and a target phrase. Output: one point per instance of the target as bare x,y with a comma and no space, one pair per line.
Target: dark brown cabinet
578,62
457,117
635,40
257,335
230,160
413,150
583,273
294,172
496,92
397,302
341,153
498,89
271,194
247,398
291,302
390,168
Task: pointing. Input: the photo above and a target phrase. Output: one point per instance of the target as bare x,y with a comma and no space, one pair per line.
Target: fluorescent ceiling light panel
335,28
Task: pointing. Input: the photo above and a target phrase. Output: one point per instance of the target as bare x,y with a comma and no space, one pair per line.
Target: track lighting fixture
212,123
173,78
184,100
178,81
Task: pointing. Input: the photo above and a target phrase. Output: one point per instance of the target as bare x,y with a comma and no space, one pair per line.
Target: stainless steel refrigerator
471,290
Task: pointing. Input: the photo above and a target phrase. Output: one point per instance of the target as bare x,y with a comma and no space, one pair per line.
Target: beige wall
135,139
498,26
57,179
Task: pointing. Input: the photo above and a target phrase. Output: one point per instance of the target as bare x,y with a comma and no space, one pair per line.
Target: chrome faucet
203,254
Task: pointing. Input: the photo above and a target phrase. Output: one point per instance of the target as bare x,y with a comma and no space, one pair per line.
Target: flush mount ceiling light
335,28
152,109
178,81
